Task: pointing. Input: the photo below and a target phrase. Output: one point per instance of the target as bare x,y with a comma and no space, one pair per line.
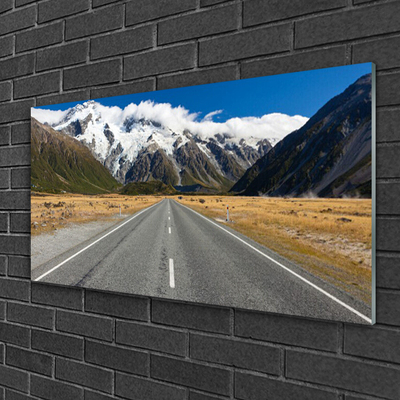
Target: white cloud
272,126
49,116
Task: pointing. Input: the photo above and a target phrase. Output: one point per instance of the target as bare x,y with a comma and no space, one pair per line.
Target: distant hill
61,163
152,187
330,156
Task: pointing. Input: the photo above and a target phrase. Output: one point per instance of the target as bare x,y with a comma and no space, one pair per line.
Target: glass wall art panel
257,194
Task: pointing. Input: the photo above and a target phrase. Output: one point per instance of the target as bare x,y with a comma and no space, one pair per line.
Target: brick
56,343
293,331
19,266
134,388
250,387
387,195
199,77
146,10
85,375
160,61
92,74
62,56
21,133
63,98
348,25
387,122
103,20
199,24
12,288
99,3
14,156
20,222
387,234
17,20
13,378
50,389
6,46
89,395
12,395
117,358
124,42
386,157
201,396
387,306
37,85
205,3
382,52
12,112
151,337
378,344
388,272
3,266
259,11
19,3
6,5
17,66
4,222
31,315
386,93
29,360
2,310
358,376
58,296
316,59
17,199
21,178
40,37
18,245
145,85
274,39
5,91
5,136
235,353
14,334
117,305
198,376
85,325
50,10
203,318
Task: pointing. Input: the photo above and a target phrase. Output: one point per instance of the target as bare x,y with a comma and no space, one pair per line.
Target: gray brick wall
66,343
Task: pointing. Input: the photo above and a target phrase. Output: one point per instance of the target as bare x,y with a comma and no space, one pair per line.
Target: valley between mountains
299,196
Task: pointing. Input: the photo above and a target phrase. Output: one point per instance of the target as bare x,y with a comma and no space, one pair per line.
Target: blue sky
300,93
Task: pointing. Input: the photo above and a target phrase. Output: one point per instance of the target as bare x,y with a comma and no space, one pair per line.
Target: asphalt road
171,251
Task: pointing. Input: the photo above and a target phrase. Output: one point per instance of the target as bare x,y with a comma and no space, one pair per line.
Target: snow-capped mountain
136,146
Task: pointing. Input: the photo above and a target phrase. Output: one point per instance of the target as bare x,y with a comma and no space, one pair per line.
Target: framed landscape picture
255,194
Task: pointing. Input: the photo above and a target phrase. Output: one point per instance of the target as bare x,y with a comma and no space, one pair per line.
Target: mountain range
330,156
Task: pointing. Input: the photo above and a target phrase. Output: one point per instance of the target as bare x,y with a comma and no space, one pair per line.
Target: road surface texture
171,251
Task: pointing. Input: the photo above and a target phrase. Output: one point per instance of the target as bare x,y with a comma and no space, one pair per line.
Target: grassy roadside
331,238
50,212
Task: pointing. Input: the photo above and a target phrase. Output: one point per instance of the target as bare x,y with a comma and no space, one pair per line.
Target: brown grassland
50,212
330,238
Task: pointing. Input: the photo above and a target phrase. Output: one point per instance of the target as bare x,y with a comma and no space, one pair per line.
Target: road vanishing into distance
169,250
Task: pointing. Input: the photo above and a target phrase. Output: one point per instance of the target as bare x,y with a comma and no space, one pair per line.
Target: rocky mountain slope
139,149
61,163
330,156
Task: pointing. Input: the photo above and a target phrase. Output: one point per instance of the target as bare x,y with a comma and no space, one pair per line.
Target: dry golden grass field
50,212
331,238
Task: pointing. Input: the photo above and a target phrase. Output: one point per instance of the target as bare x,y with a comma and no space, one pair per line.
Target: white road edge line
287,269
90,245
169,229
171,273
